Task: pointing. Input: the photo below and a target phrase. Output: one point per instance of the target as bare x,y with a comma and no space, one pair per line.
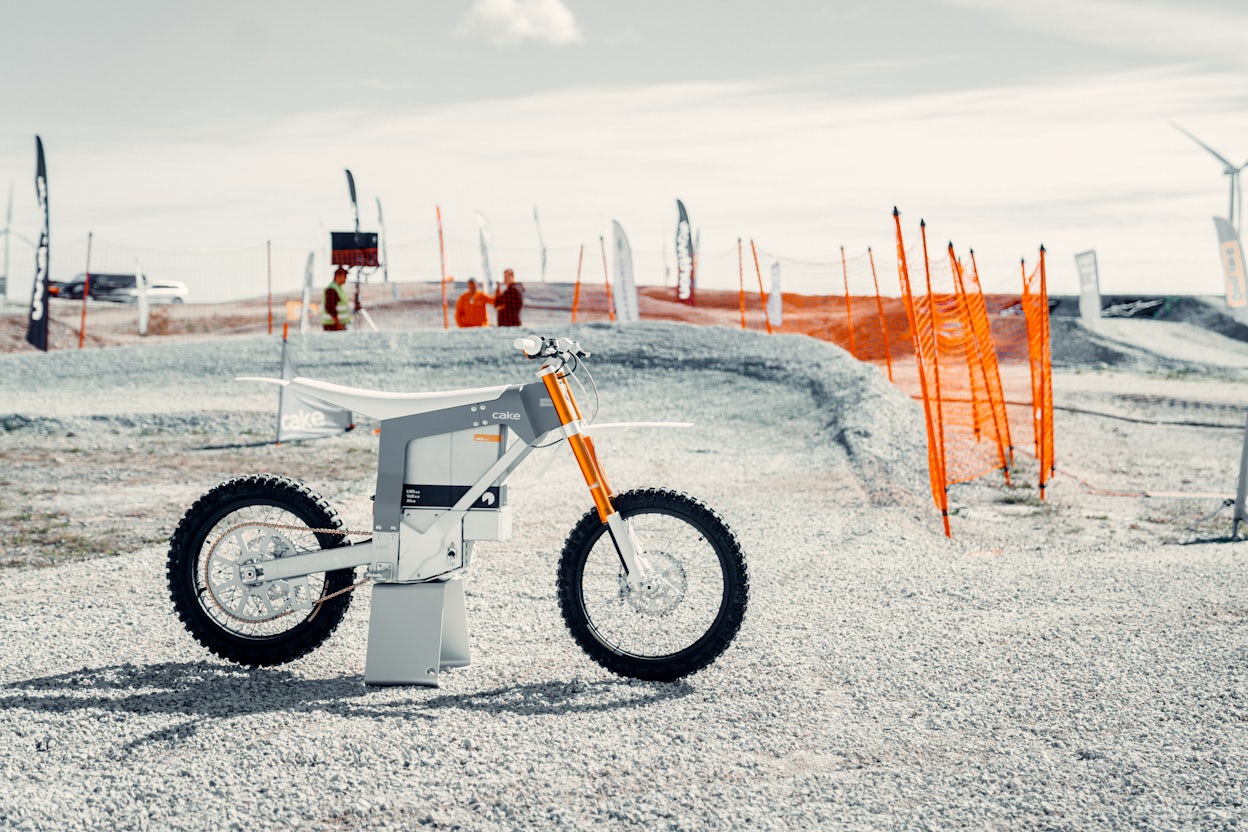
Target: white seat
378,405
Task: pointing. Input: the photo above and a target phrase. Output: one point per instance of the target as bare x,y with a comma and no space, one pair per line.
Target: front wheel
692,600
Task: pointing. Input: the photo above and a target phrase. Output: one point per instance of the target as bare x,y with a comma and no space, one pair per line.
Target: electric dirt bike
651,583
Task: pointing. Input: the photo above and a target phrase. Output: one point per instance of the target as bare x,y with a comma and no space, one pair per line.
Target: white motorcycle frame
418,625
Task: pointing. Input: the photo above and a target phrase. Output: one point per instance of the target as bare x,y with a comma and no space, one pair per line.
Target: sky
212,127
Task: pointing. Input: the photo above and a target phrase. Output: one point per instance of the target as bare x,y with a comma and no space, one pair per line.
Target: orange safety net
854,309
762,293
958,374
867,331
979,363
984,358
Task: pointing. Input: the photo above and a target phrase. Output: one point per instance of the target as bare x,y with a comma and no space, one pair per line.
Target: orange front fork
582,446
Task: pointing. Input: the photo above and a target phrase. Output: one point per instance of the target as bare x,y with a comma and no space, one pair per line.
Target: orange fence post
849,314
741,281
86,292
922,331
606,279
879,306
693,272
1047,462
1036,311
935,325
761,292
576,293
446,318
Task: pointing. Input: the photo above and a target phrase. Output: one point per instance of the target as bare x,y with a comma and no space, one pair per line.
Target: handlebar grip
529,346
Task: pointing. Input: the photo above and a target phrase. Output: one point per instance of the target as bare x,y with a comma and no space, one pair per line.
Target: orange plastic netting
979,364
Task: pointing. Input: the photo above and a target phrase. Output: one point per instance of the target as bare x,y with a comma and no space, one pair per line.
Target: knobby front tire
689,611
240,623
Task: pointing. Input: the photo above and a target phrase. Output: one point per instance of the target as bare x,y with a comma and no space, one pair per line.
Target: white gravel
1040,670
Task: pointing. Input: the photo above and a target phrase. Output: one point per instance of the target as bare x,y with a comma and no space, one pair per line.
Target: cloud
1196,31
504,22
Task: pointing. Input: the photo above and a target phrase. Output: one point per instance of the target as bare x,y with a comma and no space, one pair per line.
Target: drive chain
282,527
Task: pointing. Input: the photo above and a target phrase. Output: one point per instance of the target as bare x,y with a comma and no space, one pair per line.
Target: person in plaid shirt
509,301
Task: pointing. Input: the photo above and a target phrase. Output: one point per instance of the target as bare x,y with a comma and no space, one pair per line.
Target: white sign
624,289
140,287
300,417
1089,286
775,301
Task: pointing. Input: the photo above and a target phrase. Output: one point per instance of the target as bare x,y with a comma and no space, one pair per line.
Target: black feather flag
37,328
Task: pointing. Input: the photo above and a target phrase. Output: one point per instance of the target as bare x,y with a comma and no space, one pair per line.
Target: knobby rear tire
687,534
192,541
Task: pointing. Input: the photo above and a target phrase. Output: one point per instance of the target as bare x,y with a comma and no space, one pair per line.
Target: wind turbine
9,234
541,244
1237,192
8,225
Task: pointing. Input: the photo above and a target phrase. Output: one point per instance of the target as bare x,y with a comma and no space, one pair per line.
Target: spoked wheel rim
681,598
245,537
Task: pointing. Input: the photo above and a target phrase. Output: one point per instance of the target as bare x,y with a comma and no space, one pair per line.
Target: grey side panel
539,409
519,408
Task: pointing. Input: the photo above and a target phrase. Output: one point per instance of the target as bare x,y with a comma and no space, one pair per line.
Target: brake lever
573,347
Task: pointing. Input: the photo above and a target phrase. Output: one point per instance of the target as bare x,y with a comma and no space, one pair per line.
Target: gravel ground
1073,664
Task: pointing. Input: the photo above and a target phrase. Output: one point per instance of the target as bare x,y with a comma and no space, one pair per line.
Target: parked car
120,288
158,291
101,284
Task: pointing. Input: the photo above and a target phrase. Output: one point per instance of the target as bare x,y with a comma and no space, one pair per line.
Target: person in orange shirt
470,308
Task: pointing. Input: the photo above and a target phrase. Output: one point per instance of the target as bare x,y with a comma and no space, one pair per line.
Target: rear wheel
240,523
692,599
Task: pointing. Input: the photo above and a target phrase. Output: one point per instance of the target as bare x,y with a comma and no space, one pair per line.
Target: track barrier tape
1184,424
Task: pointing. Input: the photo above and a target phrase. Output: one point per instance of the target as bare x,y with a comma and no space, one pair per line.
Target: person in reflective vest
337,313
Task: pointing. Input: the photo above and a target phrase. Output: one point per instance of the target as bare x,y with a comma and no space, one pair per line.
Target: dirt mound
1076,346
112,421
1148,344
1208,313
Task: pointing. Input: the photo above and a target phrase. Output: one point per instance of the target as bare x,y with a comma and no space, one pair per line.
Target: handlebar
536,347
